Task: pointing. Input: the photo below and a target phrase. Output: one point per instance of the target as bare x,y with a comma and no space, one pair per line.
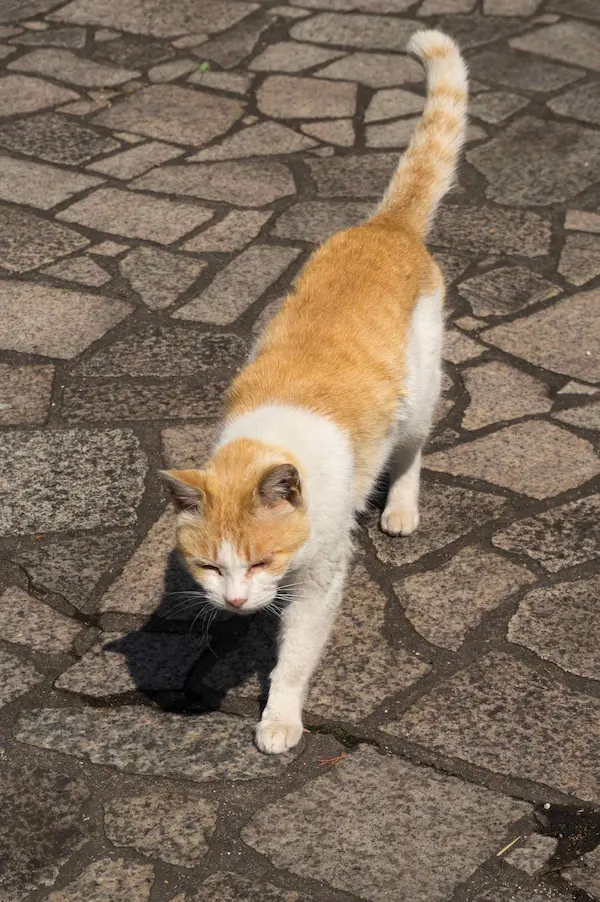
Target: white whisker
206,623
184,605
291,596
187,592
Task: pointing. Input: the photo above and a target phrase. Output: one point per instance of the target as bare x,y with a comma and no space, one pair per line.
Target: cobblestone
141,585
136,160
231,234
289,56
515,70
567,635
232,47
315,221
526,451
571,42
562,537
136,215
38,184
538,162
374,32
444,604
485,231
177,830
159,276
144,742
499,392
239,285
73,567
377,70
53,800
63,65
582,221
108,880
286,97
25,394
153,18
246,183
579,103
575,355
448,512
22,94
77,467
171,113
73,38
391,103
495,106
263,139
337,131
579,258
506,290
79,269
54,138
587,417
125,663
94,401
72,319
17,677
30,623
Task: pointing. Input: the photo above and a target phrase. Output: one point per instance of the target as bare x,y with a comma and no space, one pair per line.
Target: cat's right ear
279,488
187,490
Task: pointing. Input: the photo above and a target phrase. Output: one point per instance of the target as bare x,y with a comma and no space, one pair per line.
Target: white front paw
399,521
274,737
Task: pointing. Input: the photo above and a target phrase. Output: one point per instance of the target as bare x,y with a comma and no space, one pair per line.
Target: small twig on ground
331,762
506,848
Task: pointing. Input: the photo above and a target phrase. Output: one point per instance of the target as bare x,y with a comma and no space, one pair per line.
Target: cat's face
241,523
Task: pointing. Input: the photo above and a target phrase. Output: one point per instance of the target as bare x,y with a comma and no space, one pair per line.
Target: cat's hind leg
424,375
401,514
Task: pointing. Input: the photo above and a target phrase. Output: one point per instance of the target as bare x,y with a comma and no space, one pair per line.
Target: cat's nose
237,602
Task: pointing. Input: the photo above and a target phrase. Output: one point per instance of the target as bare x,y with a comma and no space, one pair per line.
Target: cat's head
242,522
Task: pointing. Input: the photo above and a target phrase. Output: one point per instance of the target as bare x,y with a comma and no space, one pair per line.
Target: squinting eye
258,565
212,567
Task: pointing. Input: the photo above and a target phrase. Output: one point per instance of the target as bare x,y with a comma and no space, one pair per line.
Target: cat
343,381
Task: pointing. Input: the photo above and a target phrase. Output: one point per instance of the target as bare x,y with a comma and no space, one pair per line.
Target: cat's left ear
187,490
280,488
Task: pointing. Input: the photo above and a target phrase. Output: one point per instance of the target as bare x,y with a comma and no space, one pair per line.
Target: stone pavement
167,165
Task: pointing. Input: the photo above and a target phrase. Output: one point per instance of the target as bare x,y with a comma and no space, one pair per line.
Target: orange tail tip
427,169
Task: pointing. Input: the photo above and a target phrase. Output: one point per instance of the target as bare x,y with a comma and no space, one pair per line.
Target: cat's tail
427,169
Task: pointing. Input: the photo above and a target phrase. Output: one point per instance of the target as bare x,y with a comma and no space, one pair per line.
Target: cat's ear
280,488
186,487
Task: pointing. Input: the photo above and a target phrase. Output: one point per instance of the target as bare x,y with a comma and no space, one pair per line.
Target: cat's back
362,276
337,344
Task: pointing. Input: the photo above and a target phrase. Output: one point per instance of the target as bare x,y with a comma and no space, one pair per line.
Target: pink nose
237,602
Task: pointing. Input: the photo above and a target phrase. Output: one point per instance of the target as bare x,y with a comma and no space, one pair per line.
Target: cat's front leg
306,626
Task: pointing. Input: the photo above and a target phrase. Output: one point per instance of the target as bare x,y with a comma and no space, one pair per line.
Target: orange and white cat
343,381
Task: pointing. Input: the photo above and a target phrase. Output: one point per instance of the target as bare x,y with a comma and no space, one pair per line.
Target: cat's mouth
241,611
273,605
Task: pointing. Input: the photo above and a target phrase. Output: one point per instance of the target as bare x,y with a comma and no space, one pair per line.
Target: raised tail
427,169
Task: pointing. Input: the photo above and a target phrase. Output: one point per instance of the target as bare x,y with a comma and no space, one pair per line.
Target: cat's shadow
233,651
